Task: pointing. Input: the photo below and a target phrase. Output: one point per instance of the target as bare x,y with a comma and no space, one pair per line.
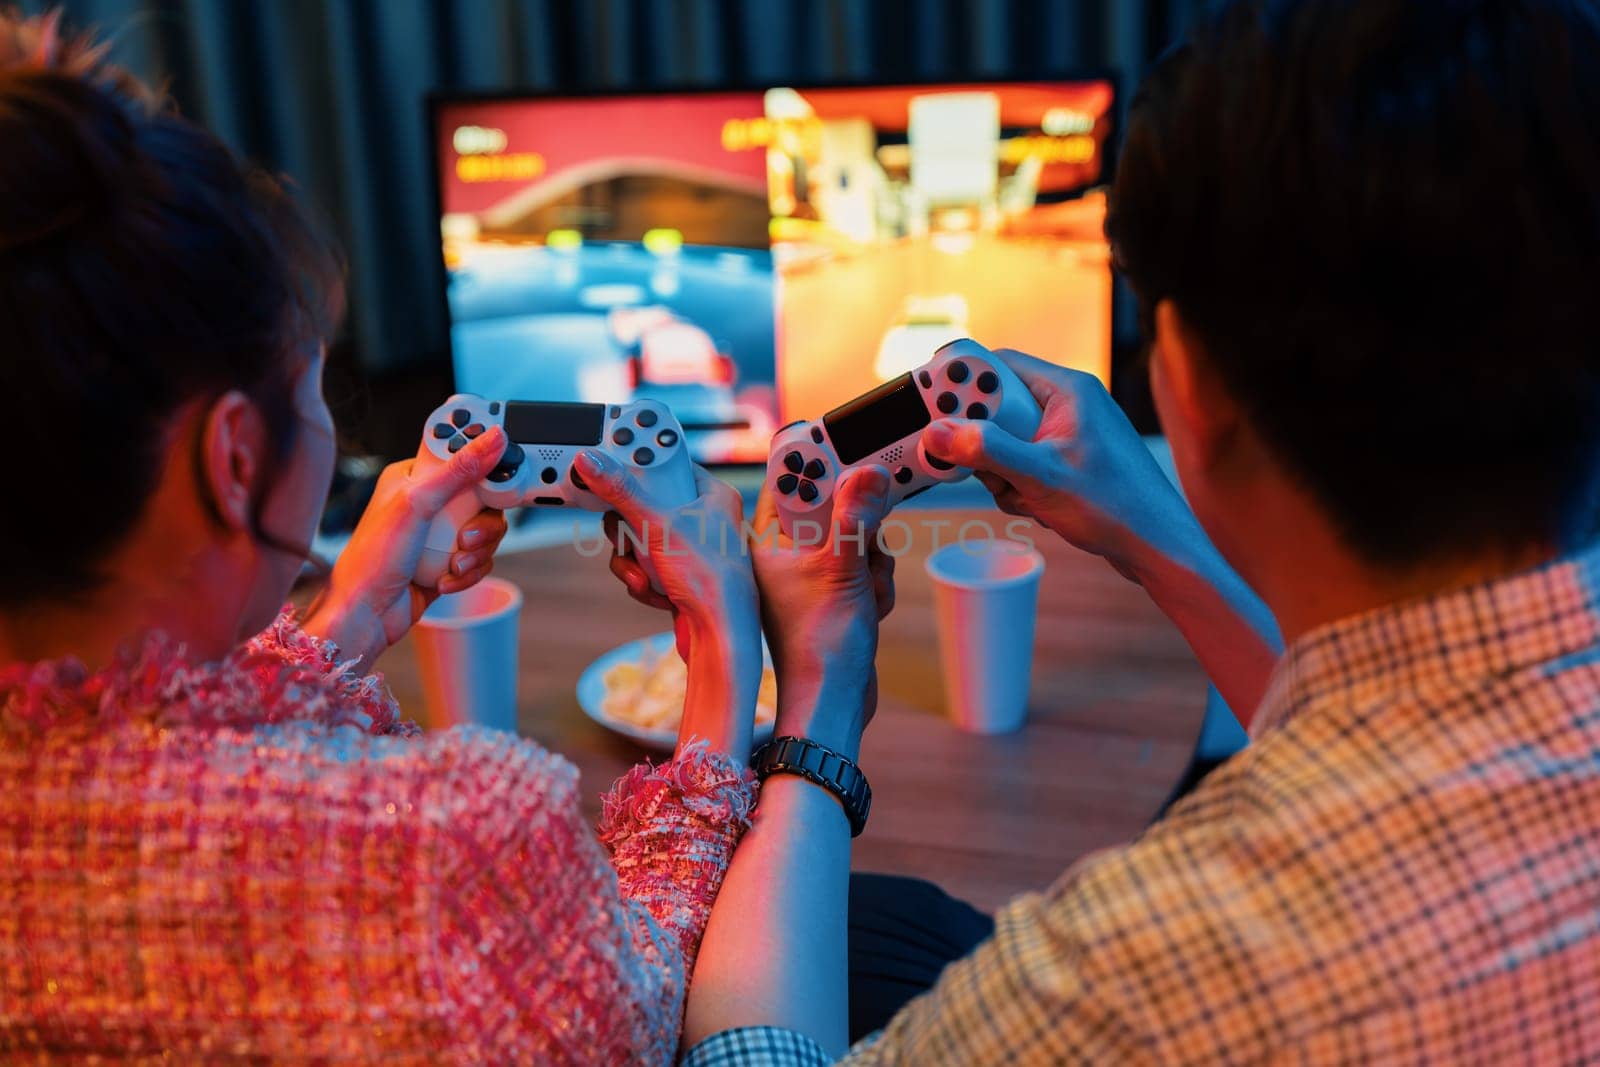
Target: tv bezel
435,101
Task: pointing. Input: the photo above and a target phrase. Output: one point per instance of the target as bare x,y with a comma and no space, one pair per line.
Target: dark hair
1383,222
142,265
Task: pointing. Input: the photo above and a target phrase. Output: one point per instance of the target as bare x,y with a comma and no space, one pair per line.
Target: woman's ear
233,444
1196,403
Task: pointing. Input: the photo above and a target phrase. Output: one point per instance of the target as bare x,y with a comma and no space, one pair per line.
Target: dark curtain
331,91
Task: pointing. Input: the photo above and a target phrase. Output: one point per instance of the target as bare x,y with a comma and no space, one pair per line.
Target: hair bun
71,155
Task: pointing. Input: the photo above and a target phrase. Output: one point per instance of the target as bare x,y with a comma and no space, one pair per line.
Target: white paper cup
467,654
986,596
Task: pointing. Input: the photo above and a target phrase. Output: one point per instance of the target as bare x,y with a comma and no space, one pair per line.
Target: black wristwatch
822,766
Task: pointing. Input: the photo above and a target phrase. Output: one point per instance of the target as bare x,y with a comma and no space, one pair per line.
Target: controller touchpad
532,422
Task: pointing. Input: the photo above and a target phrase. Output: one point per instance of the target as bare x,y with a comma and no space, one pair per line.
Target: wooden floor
1116,706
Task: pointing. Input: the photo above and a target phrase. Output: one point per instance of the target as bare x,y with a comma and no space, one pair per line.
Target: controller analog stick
786,483
577,480
938,464
794,462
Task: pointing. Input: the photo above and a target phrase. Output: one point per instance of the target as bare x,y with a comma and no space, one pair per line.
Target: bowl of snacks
637,689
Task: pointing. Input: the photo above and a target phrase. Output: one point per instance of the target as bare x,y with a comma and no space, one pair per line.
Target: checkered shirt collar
1481,631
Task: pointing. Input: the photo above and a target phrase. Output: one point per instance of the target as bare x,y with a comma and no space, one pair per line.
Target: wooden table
1116,706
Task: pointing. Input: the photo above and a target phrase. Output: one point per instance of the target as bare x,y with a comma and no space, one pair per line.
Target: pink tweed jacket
259,860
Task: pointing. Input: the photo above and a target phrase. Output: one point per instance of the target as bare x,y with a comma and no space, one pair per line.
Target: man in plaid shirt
1365,239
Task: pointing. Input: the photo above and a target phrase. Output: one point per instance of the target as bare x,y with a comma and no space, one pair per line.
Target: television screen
751,258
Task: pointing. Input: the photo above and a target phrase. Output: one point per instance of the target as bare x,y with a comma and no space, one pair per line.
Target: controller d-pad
474,431
938,464
794,462
988,382
457,443
622,436
808,492
903,475
977,411
460,417
443,430
947,403
646,418
667,438
815,469
957,372
786,483
643,457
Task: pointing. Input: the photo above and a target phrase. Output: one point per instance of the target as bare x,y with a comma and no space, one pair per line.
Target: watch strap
822,766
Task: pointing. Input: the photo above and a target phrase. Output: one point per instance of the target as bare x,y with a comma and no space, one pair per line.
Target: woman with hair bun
219,838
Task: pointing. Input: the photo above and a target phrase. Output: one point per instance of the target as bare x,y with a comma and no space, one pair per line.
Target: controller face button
548,475
815,469
786,483
643,457
988,382
647,418
667,438
473,431
808,492
926,379
494,407
977,411
938,464
795,462
457,443
816,434
460,416
947,403
957,372
622,436
443,430
903,475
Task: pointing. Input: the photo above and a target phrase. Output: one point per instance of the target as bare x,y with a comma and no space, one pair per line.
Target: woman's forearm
724,671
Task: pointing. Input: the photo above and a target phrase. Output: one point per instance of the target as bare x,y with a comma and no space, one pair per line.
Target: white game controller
885,427
542,440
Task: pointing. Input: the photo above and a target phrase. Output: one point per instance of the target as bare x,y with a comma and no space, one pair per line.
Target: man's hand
820,606
1086,474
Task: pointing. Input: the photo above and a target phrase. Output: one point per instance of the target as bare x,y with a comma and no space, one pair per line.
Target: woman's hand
821,605
697,551
371,599
1086,475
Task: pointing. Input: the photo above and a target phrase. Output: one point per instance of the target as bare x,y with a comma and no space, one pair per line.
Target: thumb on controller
615,485
981,446
435,486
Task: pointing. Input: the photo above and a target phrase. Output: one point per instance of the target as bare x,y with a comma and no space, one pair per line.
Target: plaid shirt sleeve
757,1046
